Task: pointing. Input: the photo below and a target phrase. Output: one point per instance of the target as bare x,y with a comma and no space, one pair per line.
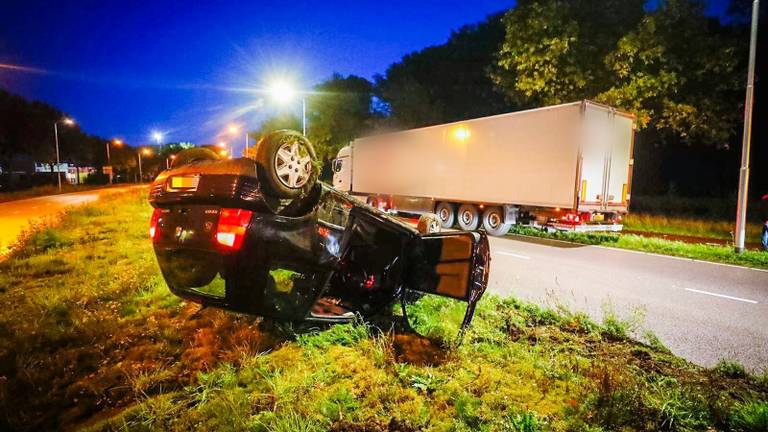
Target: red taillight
153,223
370,281
233,223
571,218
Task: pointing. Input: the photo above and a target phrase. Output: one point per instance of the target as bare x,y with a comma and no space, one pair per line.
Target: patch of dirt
418,350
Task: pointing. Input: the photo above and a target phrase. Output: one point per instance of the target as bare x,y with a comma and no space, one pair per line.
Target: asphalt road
16,215
702,311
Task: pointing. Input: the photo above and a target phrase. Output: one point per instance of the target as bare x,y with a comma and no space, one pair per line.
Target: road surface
702,311
16,215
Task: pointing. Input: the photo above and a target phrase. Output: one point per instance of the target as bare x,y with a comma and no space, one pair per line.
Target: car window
334,210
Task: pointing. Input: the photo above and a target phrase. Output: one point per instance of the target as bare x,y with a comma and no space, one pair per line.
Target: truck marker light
153,223
231,228
461,133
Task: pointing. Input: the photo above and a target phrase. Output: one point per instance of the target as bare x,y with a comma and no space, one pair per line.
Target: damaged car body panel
324,256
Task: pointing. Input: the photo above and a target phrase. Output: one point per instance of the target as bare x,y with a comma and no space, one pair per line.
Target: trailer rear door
620,164
606,154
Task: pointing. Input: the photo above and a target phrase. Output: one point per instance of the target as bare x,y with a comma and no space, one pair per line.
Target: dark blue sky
124,68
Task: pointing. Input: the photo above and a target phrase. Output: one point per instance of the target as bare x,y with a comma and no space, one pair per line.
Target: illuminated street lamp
117,143
283,93
234,130
145,152
157,136
168,161
68,122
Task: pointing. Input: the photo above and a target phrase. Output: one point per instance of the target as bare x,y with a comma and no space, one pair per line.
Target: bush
730,369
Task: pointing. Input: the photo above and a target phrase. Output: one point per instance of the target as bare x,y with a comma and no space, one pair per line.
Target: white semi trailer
567,166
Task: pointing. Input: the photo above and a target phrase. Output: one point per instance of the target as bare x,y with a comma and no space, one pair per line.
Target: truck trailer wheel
469,217
493,222
287,162
446,213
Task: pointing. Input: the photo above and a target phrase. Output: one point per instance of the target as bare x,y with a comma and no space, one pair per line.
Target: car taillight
153,223
233,223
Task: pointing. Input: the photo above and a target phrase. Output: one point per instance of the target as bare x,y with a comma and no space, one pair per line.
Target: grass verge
90,338
704,252
688,226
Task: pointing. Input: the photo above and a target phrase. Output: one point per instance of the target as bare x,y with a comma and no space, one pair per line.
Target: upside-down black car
262,236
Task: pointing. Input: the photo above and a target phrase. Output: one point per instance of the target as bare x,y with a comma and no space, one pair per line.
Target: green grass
90,338
688,226
704,252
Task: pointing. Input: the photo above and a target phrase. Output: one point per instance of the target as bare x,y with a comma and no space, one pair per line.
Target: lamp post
283,92
157,136
69,122
146,152
117,143
741,204
233,131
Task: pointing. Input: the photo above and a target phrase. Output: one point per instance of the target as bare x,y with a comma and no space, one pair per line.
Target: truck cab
342,170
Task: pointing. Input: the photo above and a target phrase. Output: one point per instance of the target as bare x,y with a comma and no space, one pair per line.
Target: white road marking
505,253
721,295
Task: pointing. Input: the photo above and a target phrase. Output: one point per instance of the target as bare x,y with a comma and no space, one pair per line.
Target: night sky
124,68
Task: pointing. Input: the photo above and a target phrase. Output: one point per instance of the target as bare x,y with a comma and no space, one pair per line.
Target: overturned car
263,236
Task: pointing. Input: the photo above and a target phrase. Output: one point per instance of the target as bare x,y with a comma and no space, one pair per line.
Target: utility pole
741,205
58,164
141,176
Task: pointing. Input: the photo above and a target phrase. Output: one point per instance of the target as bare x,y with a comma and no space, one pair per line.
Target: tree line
681,72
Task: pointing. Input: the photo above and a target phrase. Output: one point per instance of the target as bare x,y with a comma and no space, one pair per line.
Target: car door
454,265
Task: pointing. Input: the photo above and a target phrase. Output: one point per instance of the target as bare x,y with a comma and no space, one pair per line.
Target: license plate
184,182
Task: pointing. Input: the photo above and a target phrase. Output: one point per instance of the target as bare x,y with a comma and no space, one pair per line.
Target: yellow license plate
189,182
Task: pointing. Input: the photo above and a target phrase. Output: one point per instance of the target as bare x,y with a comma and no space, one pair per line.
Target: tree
685,90
446,82
553,50
26,129
339,111
559,51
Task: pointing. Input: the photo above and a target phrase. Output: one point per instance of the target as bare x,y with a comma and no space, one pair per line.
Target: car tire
493,222
192,155
468,217
428,223
287,164
446,213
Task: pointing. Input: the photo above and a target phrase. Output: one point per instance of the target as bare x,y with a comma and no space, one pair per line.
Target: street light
168,161
741,203
117,143
157,136
233,131
68,122
283,93
145,152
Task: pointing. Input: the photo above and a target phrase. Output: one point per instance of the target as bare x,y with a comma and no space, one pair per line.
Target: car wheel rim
444,214
466,217
293,164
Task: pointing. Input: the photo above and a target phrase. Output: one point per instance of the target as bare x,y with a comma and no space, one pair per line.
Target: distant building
73,174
